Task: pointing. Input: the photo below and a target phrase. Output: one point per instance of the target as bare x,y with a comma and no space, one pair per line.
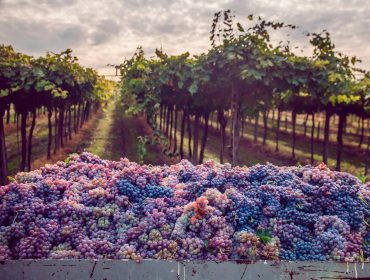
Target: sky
108,31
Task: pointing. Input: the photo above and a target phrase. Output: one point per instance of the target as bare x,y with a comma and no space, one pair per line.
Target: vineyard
245,80
232,154
55,85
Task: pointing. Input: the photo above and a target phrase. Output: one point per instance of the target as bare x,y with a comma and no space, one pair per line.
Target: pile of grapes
87,207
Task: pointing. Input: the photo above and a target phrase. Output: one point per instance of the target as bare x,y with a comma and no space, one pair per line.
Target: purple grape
94,208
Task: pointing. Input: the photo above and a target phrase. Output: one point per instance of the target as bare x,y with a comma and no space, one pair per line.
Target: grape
92,208
5,253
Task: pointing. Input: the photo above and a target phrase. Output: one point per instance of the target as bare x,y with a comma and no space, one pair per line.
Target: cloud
37,38
347,21
102,32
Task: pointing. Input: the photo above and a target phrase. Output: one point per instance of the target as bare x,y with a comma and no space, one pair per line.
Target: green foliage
206,246
242,57
49,80
68,159
11,179
362,178
265,235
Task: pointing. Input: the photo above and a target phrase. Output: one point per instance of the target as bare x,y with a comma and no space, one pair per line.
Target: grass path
115,136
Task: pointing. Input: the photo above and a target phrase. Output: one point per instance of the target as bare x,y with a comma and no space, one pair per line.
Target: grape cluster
138,193
91,208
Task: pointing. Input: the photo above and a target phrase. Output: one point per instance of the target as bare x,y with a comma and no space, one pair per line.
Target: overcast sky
106,31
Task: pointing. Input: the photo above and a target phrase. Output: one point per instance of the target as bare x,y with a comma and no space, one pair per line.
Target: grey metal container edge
179,270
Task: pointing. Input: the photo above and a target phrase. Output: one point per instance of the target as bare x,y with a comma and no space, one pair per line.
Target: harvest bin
176,270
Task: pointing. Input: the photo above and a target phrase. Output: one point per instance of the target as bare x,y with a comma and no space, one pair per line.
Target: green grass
251,153
350,138
248,155
39,142
113,136
99,144
116,136
353,160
